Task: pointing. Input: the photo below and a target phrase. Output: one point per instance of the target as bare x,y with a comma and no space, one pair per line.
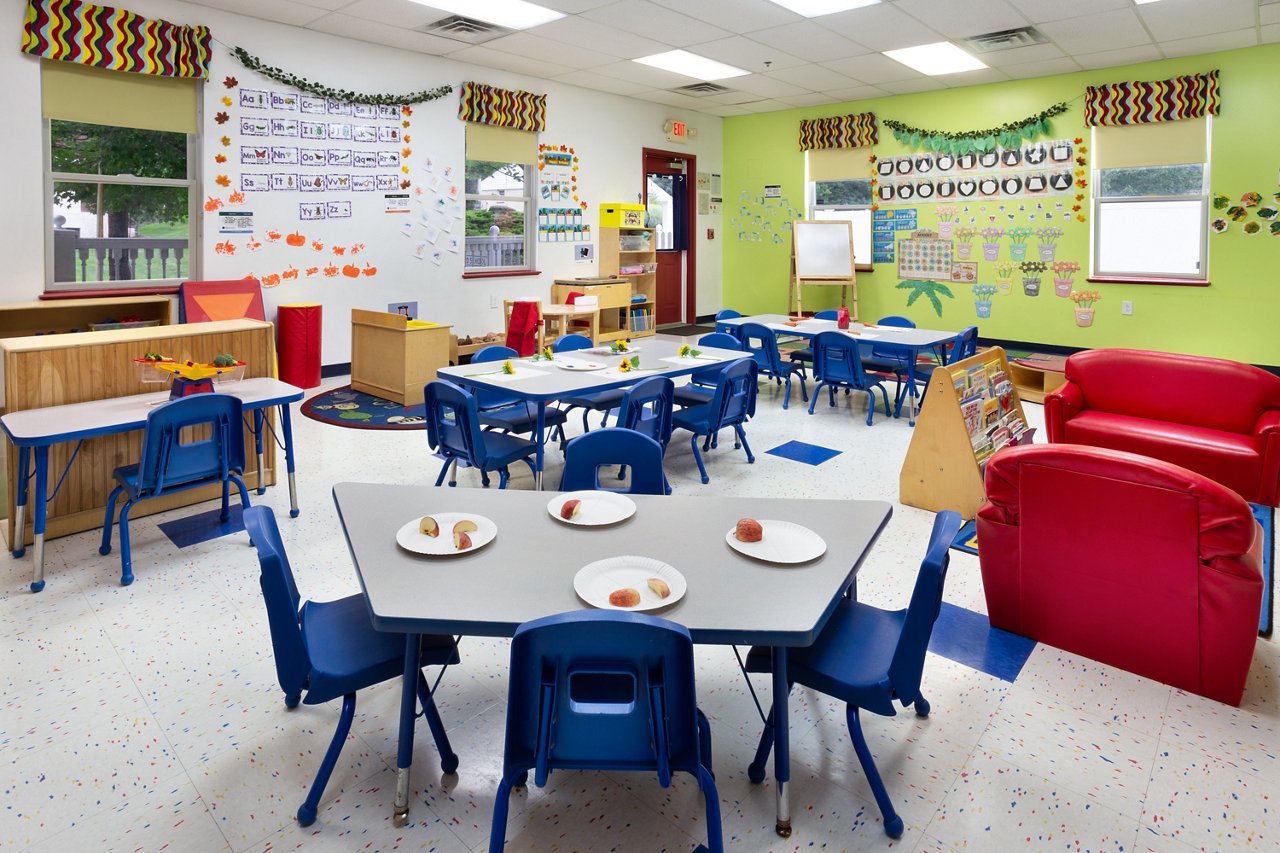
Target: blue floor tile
194,529
967,638
810,454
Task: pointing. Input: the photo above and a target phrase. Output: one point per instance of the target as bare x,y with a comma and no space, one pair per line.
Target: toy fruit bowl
150,370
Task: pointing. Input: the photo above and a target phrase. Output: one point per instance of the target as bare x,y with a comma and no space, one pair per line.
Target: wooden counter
392,358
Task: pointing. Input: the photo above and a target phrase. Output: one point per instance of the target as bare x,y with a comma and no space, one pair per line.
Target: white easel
822,254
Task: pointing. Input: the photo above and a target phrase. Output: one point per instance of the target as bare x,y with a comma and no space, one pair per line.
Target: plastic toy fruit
225,360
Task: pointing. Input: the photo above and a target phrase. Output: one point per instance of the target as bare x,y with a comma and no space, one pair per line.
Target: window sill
96,292
1167,282
501,274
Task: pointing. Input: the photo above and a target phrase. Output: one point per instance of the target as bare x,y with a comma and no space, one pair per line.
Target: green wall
1236,317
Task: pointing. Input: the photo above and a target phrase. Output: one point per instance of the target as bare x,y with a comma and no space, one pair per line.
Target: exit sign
677,131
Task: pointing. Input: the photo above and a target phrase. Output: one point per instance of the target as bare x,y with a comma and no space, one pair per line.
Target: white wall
607,132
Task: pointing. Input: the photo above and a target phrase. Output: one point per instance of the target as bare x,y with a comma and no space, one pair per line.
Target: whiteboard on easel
823,249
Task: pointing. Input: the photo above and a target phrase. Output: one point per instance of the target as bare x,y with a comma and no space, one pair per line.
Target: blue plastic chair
598,401
805,356
647,408
702,383
508,413
869,658
725,328
837,363
329,649
588,453
170,464
453,432
733,402
604,690
762,343
963,346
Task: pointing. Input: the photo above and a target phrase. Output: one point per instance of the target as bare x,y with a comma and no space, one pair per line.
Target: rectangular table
910,340
40,429
547,383
527,572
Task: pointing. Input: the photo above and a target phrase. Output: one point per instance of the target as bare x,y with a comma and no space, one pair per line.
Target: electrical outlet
1126,307
493,301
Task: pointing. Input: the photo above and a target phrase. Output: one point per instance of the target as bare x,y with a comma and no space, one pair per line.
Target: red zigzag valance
114,39
502,107
850,131
1190,96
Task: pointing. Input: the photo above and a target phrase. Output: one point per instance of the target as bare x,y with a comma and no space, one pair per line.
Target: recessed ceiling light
516,14
940,58
817,8
1144,2
691,65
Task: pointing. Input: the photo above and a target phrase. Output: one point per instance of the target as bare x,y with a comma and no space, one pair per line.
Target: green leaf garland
302,84
1009,135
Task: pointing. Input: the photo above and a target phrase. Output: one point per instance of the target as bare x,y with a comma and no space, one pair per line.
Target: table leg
286,426
540,450
259,418
408,713
39,515
19,542
911,388
781,742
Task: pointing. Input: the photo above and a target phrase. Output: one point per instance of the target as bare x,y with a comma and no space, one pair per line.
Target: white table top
880,334
528,570
120,414
549,382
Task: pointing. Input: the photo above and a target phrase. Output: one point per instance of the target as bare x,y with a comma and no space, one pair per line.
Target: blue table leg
911,387
286,426
19,542
540,451
259,417
42,482
408,713
781,742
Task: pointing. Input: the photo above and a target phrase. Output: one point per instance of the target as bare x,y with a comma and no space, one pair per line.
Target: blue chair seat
732,404
600,401
693,395
454,433
521,418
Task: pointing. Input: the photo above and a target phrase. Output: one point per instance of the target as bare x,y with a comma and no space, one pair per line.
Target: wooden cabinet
632,253
393,357
21,319
614,299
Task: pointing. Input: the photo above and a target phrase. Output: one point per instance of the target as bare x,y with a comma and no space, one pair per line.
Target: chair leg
498,831
226,499
307,811
922,706
804,392
814,401
786,394
704,742
244,494
697,457
448,758
585,426
484,479
444,469
742,438
756,769
715,833
105,547
126,556
503,476
892,823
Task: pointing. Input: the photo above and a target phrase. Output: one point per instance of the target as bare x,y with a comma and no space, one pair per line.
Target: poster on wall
563,218
1034,169
884,227
924,256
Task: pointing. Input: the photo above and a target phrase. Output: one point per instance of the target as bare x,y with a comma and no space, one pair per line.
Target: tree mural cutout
929,289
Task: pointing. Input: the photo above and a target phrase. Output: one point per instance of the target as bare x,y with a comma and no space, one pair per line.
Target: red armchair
1218,417
1126,560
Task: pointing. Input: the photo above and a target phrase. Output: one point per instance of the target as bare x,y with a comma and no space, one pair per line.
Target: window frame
811,203
528,198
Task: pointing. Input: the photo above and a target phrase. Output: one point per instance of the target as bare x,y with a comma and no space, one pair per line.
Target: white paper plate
783,542
594,582
605,350
570,364
410,539
598,507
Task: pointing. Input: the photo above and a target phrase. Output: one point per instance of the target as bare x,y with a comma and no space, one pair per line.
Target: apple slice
461,541
429,527
570,508
659,587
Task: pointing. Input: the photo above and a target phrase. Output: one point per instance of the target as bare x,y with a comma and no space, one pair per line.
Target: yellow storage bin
622,216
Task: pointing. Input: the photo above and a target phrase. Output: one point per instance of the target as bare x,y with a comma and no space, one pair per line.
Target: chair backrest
524,324
571,342
601,689
486,398
890,351
280,593
726,314
609,447
453,422
647,407
965,346
897,320
168,461
762,343
720,340
837,358
907,664
493,352
735,396
827,314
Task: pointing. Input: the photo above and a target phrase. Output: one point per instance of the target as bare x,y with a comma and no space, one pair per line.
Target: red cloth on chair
522,331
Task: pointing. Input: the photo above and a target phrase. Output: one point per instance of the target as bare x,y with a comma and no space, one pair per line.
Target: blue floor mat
799,451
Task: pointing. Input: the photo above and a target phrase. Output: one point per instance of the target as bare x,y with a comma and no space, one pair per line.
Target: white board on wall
823,249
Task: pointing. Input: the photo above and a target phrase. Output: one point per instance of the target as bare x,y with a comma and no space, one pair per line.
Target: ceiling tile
393,13
807,39
813,77
740,16
960,20
591,80
671,99
656,22
533,47
646,75
385,34
1269,14
767,107
282,11
1124,56
907,87
573,7
1092,33
748,54
1020,55
725,111
1039,11
484,57
977,77
813,99
767,87
733,98
331,5
873,68
857,93
1184,19
881,27
579,31
1270,33
1210,43
1044,68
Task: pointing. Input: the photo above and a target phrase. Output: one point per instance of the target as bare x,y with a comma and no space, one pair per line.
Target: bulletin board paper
924,258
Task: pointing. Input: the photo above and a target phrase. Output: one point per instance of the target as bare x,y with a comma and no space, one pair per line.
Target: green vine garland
1008,135
302,84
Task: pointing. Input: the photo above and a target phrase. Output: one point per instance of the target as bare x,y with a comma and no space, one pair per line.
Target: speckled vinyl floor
148,718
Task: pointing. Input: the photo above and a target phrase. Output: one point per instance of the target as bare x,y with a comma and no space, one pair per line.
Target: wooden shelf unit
614,296
1033,383
56,316
637,318
941,470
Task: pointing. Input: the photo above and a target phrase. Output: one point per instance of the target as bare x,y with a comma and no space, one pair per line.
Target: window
120,178
501,185
849,200
1151,200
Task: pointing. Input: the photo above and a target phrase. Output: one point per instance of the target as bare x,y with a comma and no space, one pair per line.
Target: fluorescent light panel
934,59
516,14
691,65
818,8
1144,2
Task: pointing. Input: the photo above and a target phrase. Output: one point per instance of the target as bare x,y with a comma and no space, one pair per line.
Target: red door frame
691,218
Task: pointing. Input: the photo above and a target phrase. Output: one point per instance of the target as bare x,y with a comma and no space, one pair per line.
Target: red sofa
1218,417
1124,559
